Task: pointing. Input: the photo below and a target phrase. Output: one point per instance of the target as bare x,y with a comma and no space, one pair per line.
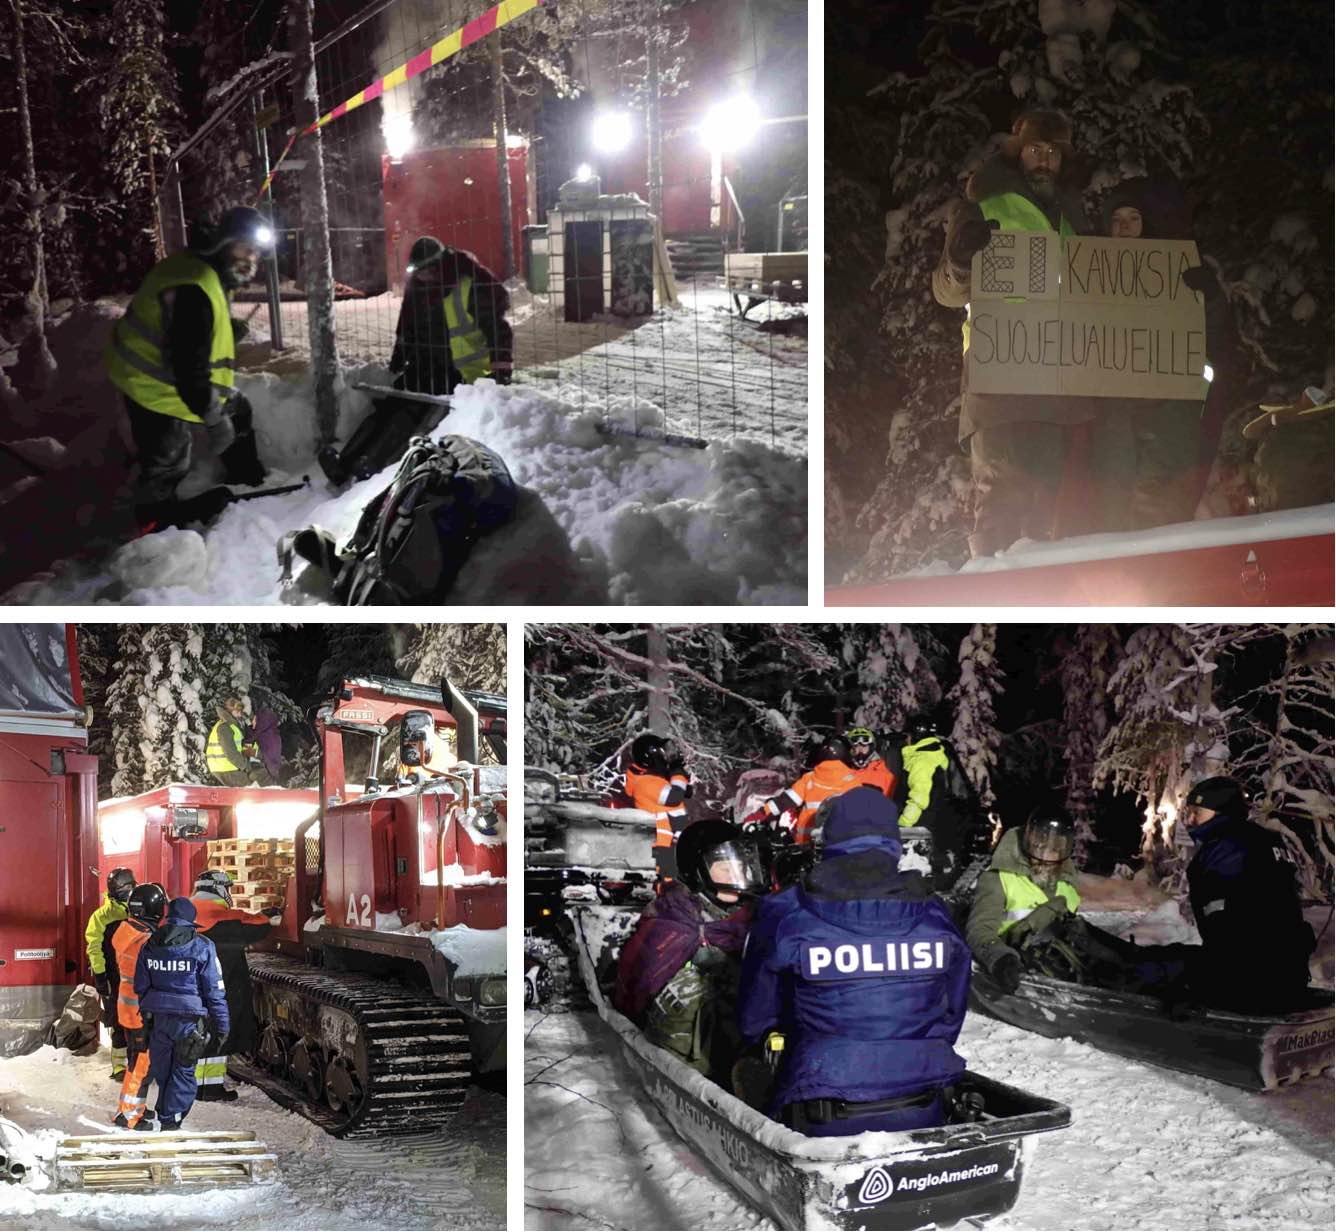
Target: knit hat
1040,125
862,811
1221,795
181,911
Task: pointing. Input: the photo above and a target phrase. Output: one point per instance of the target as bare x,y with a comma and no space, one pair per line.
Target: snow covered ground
606,518
428,1181
1147,1148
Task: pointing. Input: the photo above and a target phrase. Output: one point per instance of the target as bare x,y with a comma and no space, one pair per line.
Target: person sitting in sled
866,976
1024,917
678,974
452,331
870,765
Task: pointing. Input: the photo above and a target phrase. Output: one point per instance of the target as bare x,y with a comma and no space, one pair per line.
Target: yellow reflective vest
216,756
136,358
1023,896
470,351
1012,212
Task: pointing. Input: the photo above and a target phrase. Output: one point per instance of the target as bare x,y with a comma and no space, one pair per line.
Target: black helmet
1048,837
120,881
832,748
866,737
425,251
240,224
215,881
1221,795
649,753
147,902
704,847
920,726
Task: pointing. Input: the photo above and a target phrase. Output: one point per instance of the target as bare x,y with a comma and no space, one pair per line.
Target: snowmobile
910,1179
1256,1052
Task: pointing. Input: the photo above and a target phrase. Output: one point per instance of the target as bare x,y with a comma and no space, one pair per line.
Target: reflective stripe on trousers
209,1071
131,1103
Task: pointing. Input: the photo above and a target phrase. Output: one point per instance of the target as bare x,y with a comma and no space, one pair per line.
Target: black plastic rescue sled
909,1179
1256,1053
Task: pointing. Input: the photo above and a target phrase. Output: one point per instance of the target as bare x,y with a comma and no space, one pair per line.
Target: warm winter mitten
220,430
1202,278
1006,970
972,235
102,982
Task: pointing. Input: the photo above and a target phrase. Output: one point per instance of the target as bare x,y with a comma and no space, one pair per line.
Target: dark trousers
162,443
172,1067
1016,469
917,1115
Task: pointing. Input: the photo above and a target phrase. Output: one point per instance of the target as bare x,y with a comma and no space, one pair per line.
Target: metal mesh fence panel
610,192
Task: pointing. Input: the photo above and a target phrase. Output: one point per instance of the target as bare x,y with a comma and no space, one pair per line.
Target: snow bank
604,519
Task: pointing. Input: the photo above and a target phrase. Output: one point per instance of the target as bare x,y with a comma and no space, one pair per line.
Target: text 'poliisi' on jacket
872,958
168,964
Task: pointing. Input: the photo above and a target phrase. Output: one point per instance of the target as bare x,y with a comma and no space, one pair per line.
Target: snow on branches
975,736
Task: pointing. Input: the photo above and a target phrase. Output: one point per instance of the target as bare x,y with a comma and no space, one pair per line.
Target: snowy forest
153,690
1114,721
1233,98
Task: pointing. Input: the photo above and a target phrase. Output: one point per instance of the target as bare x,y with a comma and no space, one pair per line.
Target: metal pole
271,265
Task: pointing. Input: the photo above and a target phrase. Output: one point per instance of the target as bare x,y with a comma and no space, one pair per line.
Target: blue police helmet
859,813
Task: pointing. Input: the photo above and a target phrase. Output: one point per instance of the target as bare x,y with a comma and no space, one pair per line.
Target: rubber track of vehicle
430,1087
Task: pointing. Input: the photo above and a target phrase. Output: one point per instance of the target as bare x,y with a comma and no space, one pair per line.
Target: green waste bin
535,259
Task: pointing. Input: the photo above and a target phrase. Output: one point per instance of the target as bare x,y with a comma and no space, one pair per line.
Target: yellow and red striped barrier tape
452,44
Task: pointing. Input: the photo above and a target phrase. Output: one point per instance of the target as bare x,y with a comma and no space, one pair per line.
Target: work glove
973,235
102,982
1202,278
1006,970
218,426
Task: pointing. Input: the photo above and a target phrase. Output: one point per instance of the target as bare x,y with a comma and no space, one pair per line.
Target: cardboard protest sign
1084,315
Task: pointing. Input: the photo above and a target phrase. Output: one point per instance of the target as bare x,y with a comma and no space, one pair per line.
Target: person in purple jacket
677,975
270,742
866,975
179,983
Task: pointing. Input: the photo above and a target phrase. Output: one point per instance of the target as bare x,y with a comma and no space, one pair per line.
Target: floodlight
398,131
584,172
611,131
730,125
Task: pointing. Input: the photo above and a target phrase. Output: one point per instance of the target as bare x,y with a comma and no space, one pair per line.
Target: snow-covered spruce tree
138,102
1284,751
1169,732
474,656
157,708
1102,69
974,735
1087,665
895,673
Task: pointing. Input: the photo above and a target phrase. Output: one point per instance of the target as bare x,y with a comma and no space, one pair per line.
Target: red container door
32,891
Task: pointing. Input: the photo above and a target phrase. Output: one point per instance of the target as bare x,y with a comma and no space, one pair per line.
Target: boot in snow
216,1095
148,1123
120,1122
241,462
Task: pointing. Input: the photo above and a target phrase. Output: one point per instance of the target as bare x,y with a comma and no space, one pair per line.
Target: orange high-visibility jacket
662,797
826,779
126,942
877,774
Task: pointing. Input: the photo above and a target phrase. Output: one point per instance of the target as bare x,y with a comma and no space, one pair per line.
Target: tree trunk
653,124
317,264
41,364
502,159
656,651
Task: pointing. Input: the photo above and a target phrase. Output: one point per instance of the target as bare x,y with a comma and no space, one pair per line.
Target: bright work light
584,172
398,131
730,125
611,131
264,237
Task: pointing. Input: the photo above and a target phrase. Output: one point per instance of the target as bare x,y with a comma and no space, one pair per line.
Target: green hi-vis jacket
98,922
1012,212
469,350
922,762
1007,894
136,358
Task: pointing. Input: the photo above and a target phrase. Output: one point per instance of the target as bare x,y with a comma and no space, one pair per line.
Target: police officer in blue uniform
179,982
867,977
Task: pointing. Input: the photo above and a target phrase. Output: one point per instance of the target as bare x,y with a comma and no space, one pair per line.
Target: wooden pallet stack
259,868
131,1161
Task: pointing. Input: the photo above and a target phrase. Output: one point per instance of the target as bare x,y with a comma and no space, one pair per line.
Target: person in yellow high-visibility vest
452,331
173,357
227,753
1017,442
